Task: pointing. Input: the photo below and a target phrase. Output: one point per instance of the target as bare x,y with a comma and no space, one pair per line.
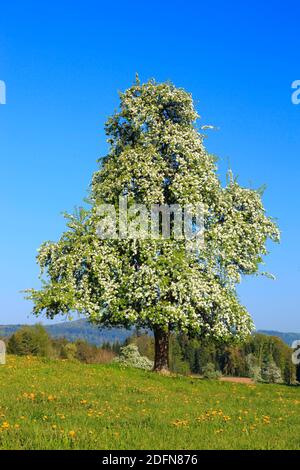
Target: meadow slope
48,404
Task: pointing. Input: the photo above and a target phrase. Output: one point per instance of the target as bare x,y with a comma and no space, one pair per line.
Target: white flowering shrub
157,156
268,372
253,368
209,371
130,356
271,373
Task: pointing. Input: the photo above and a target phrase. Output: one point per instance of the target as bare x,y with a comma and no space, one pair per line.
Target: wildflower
226,418
179,422
266,419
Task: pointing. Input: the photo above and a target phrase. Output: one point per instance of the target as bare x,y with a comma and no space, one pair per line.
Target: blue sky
63,63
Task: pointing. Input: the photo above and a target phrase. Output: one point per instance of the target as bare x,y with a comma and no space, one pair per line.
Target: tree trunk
161,362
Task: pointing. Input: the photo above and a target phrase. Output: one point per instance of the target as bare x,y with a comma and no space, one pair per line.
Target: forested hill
78,329
288,338
81,329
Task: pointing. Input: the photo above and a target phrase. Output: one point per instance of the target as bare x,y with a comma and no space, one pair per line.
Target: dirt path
238,380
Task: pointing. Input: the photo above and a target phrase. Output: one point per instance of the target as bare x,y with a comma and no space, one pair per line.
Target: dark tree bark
161,362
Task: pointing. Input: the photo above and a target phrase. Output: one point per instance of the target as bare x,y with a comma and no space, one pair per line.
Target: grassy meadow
48,404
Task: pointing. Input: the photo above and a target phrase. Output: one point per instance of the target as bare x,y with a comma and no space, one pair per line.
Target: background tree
157,156
30,340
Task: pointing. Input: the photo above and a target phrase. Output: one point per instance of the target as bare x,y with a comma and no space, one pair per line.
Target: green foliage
90,354
35,341
209,371
298,373
144,342
253,370
233,361
289,373
270,372
177,362
84,351
262,358
130,356
68,351
32,340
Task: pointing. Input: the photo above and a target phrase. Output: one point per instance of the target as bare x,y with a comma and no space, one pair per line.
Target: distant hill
288,338
78,329
81,329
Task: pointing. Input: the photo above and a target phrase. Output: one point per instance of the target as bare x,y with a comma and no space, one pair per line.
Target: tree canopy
157,156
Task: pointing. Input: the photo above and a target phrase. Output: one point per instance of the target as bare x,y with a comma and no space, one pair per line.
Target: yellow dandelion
226,418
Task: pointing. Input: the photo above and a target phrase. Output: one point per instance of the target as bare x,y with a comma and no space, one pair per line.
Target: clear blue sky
63,63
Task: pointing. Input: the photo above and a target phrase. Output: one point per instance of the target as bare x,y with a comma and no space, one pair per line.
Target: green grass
67,405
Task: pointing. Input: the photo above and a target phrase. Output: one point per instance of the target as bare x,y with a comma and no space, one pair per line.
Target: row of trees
34,340
263,358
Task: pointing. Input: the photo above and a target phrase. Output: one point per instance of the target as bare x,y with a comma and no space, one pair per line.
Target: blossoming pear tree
157,156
